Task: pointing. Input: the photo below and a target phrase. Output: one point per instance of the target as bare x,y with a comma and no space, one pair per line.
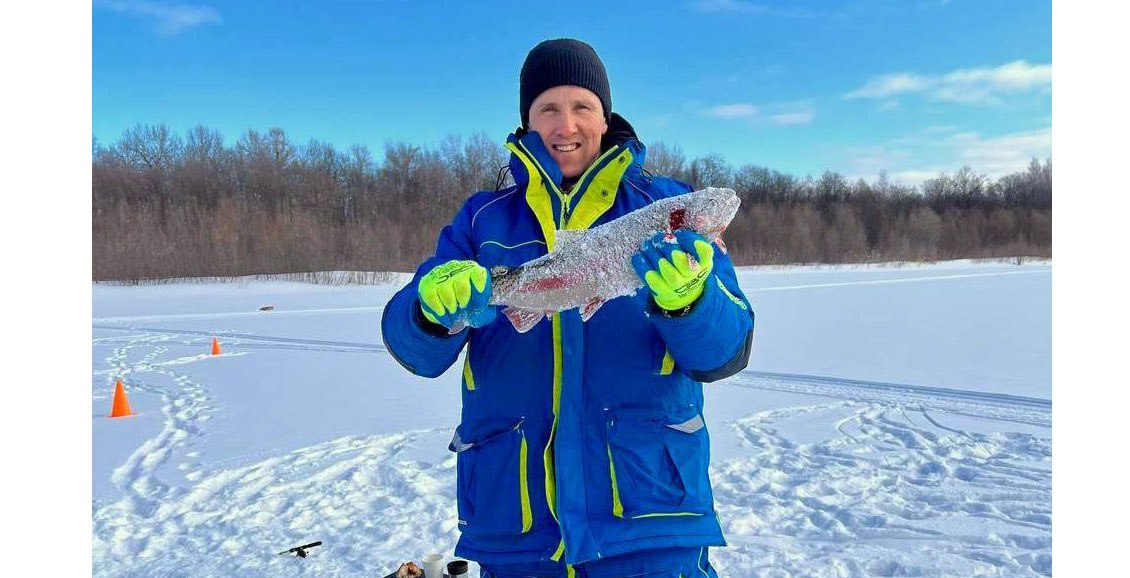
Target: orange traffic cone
121,402
215,346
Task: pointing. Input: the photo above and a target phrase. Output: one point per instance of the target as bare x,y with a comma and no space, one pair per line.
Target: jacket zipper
562,196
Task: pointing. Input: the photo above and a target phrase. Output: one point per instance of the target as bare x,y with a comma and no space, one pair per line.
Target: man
582,449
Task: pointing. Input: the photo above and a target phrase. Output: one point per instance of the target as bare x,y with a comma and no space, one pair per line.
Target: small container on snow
457,569
433,566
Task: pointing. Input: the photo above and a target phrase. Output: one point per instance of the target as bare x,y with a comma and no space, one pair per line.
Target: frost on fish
591,266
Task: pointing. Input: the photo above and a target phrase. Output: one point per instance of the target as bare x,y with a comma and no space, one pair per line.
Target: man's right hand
457,291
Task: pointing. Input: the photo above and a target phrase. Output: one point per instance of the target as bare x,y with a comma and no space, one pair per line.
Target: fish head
708,212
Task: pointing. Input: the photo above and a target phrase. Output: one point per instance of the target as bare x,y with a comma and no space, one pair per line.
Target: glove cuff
683,311
433,329
679,312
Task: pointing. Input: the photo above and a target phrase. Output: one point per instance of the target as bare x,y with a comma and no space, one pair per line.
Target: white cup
433,566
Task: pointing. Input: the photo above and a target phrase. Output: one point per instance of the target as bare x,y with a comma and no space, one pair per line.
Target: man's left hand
675,267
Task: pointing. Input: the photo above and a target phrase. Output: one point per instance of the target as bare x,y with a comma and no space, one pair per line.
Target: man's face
570,120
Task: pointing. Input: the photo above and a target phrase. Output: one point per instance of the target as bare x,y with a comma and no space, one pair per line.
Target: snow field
826,461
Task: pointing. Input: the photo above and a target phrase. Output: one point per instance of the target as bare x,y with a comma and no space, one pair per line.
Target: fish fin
565,237
522,319
589,308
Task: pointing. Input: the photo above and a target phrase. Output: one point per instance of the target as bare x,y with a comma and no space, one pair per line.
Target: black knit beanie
562,62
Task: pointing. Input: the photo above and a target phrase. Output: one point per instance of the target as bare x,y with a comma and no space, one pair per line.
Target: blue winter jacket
577,439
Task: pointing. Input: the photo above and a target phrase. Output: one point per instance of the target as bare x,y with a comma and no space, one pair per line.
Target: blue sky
913,87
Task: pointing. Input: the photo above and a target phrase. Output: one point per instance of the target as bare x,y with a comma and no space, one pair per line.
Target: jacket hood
619,130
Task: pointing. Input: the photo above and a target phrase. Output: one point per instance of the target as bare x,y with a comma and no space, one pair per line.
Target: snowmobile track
1001,406
336,345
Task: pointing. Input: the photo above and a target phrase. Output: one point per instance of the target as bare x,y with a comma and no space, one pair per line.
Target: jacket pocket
658,468
493,483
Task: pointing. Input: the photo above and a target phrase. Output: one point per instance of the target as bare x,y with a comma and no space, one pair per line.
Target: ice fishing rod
300,551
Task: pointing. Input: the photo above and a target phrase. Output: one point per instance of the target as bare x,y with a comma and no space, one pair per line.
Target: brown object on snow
409,570
267,308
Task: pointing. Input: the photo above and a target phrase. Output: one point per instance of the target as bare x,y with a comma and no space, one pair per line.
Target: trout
588,267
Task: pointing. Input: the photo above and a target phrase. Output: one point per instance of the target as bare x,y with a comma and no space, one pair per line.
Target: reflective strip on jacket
579,440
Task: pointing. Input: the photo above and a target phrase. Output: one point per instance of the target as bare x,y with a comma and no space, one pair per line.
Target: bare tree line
168,206
785,219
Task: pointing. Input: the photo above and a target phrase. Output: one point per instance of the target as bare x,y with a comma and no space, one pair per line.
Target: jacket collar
620,136
538,174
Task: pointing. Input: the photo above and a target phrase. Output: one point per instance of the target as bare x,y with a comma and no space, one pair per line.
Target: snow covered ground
894,421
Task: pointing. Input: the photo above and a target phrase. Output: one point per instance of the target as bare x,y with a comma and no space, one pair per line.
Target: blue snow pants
658,563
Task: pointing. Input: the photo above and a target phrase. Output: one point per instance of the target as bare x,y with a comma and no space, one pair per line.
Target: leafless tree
668,161
166,207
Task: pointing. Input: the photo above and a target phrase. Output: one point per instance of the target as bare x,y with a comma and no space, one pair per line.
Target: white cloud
734,111
1002,155
793,118
794,113
169,18
915,177
976,86
1017,75
889,85
925,154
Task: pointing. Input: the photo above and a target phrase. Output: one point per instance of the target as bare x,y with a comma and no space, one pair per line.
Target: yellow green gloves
675,267
455,294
